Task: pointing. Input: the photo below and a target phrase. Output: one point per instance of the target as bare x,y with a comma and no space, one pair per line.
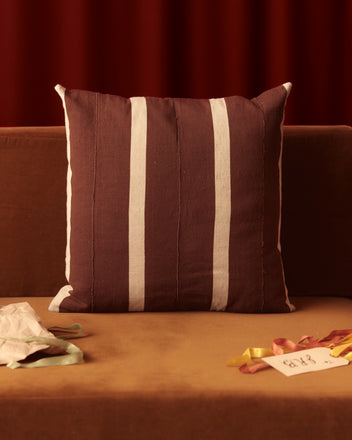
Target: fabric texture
317,210
173,204
164,376
33,168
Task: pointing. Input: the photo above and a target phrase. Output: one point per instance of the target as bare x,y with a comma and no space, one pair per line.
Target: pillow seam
262,113
179,205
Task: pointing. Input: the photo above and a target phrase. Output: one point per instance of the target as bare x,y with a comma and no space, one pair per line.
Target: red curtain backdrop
189,48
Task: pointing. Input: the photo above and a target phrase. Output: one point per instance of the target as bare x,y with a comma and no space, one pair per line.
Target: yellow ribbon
344,345
250,354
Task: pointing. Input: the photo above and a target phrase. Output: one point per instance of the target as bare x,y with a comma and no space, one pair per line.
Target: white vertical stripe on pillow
136,220
222,204
61,91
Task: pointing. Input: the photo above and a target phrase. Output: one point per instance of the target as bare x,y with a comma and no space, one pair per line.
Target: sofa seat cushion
164,376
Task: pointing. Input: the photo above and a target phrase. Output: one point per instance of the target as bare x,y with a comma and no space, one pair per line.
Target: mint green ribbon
73,353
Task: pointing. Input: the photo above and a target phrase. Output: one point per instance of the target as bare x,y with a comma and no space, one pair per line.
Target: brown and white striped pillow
173,204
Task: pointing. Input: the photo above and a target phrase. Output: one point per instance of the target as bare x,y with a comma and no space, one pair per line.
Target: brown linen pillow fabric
173,204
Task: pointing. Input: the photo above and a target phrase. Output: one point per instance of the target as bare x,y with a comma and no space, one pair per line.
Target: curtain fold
189,48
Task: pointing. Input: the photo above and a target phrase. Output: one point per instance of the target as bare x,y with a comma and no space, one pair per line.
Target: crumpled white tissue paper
19,320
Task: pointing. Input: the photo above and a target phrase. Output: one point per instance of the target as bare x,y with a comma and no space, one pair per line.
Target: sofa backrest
317,210
316,234
33,171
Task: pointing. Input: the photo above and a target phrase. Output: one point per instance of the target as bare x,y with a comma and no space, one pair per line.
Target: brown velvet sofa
164,375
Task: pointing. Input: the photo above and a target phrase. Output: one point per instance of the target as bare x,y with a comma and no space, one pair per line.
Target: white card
305,361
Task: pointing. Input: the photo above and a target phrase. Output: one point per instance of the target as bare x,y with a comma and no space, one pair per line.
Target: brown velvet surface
317,210
164,376
33,171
